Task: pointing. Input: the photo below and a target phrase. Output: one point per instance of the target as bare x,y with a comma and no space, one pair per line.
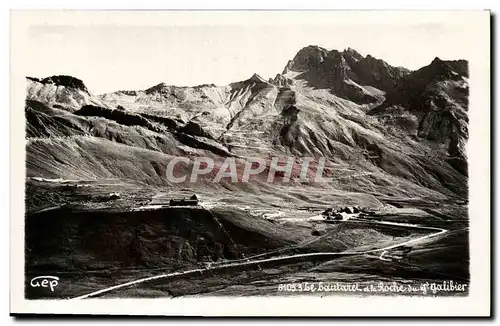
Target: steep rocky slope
383,129
436,97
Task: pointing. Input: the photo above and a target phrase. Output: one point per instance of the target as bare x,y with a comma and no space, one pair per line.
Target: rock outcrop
437,97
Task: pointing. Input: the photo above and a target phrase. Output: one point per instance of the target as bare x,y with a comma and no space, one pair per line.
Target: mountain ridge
394,130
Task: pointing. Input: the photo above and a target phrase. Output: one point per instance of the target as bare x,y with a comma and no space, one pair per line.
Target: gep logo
45,282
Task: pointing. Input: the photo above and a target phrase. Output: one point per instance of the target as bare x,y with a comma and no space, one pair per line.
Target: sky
110,57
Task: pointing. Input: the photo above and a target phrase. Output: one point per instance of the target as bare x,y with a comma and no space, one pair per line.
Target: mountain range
384,130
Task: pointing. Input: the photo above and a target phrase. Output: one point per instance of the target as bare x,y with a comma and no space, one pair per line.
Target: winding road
250,261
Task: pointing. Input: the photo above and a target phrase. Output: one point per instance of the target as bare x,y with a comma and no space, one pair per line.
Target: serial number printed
318,287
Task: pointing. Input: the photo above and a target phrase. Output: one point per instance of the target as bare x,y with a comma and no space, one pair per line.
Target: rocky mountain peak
345,73
157,88
257,78
352,53
281,81
436,61
442,69
62,80
438,64
307,57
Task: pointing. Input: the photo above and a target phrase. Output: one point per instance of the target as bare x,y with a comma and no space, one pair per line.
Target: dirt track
269,261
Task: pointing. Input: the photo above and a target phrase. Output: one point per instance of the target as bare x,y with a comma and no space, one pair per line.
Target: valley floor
238,244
